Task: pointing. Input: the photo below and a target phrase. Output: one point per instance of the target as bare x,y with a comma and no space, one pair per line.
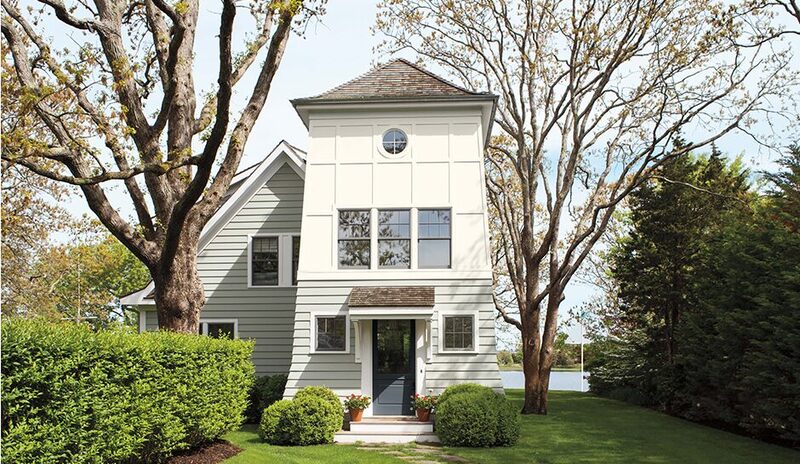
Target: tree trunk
179,293
537,357
535,384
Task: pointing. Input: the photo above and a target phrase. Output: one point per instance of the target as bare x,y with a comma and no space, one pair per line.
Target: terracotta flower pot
423,415
355,415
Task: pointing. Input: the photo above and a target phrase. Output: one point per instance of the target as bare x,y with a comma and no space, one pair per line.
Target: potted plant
423,405
356,405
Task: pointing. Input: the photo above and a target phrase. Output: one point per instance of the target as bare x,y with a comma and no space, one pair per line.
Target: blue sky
335,50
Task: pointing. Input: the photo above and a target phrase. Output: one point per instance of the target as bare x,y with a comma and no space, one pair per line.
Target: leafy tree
80,280
591,97
117,105
32,206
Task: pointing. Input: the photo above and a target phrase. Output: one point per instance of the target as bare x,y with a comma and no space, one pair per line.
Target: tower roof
396,80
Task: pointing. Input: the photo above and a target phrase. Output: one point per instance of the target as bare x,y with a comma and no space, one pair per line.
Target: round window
394,141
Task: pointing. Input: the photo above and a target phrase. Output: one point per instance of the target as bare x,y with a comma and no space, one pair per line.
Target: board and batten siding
265,314
342,373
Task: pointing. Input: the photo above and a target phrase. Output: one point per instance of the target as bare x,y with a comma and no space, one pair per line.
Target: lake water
559,380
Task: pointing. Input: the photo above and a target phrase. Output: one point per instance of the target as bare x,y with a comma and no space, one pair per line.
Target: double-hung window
354,239
394,239
273,260
295,257
434,239
265,261
331,333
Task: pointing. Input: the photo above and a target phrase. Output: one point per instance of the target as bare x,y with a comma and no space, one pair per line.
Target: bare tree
592,94
117,104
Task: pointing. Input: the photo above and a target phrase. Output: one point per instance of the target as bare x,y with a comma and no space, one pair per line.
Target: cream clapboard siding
343,374
265,315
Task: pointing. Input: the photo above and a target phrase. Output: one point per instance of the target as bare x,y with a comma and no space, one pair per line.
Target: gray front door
393,366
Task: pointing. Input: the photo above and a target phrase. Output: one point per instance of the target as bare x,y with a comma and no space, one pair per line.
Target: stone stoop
388,429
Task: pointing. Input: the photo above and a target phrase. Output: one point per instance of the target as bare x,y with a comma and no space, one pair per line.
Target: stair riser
390,428
388,438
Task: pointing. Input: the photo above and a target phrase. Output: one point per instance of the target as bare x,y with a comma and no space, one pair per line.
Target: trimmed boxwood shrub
266,390
269,430
462,388
312,417
321,392
475,416
73,395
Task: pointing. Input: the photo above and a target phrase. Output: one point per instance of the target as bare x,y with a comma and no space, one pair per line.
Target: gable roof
243,186
397,79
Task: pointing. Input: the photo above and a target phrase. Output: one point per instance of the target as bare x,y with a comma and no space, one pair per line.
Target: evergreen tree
656,266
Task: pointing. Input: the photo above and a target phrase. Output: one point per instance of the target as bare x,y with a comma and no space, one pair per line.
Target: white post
581,354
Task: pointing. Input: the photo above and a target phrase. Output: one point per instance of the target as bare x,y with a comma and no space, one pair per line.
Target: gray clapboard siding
265,315
343,374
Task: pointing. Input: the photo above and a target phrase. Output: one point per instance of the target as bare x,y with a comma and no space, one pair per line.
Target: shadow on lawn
581,427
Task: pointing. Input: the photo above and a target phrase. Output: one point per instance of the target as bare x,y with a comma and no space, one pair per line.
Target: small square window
331,333
459,333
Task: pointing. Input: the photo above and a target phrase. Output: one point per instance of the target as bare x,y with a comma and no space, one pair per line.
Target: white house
363,264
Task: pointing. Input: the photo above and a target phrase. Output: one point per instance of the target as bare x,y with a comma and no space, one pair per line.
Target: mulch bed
212,453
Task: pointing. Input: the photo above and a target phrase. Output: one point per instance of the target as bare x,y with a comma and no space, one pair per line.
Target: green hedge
472,415
73,395
312,417
266,390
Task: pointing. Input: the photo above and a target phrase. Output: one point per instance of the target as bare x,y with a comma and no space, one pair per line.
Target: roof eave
303,105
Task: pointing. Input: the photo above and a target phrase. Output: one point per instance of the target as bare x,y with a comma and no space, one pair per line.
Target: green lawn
579,428
256,451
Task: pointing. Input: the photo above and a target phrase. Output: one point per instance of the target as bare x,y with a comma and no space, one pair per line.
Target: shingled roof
397,79
391,296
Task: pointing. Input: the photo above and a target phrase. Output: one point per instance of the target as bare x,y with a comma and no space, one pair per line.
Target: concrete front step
379,437
391,426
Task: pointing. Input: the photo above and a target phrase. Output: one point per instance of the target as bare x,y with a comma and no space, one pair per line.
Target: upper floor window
394,141
354,239
394,239
434,238
273,260
264,258
295,257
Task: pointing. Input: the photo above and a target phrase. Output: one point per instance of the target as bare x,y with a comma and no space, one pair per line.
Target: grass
585,428
256,451
580,428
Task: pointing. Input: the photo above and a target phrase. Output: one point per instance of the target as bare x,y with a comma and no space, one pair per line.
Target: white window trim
394,156
284,259
313,338
204,325
475,331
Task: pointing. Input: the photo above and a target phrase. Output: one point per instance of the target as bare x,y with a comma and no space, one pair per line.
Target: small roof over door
391,302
